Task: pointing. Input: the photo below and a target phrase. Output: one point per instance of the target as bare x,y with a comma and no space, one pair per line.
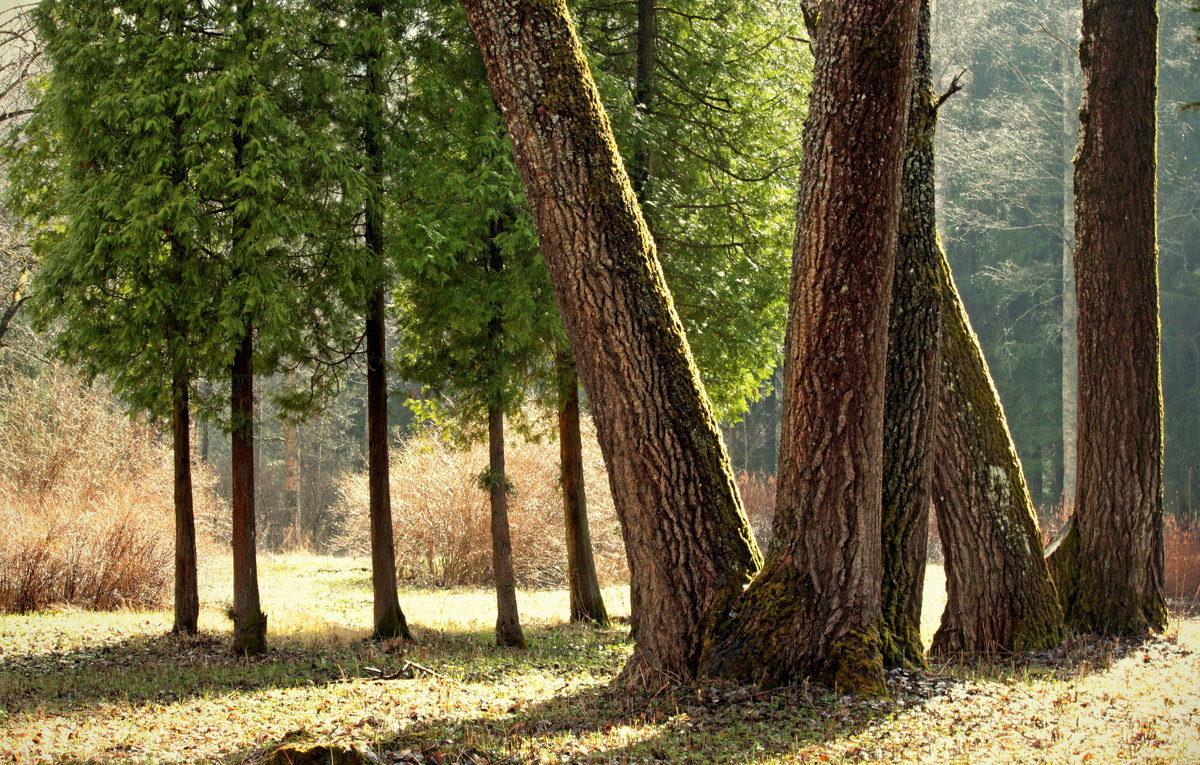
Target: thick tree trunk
389,619
249,622
815,608
911,397
508,623
587,605
1119,496
999,593
692,551
187,596
1070,340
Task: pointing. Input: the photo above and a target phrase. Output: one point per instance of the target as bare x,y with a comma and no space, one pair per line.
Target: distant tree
686,534
815,608
1110,562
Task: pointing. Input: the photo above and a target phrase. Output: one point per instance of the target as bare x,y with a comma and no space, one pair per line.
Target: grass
77,686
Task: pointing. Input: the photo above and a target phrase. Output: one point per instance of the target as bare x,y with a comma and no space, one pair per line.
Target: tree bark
643,92
291,475
815,609
187,596
911,383
999,593
1119,496
1070,340
249,622
692,547
508,623
587,605
389,619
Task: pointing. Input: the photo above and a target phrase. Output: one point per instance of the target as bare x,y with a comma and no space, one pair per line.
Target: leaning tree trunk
587,605
815,608
187,597
999,593
389,619
670,476
910,386
249,622
1114,584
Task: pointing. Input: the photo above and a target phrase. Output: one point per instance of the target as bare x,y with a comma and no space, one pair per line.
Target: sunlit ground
83,687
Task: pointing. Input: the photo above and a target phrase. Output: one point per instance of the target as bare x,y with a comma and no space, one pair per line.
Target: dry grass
441,516
86,514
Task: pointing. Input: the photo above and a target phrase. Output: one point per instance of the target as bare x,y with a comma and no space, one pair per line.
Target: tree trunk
187,596
249,622
291,475
587,605
692,547
999,593
389,619
1119,496
1070,340
643,92
815,609
911,397
508,623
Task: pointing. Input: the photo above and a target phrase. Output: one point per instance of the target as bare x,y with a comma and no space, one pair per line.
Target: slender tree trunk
587,605
249,622
1116,586
508,623
643,92
689,543
999,593
1070,340
912,368
815,608
291,475
187,596
389,619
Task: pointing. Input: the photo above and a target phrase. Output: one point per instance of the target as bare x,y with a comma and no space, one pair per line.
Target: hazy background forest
1004,150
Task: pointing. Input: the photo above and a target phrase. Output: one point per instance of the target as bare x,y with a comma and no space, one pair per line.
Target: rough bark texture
910,386
692,550
249,622
508,623
1119,496
999,593
587,605
815,608
187,596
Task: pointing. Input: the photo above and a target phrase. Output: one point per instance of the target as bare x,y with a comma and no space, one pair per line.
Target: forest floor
117,687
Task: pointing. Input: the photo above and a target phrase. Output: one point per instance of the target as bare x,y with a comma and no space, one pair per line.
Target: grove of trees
249,214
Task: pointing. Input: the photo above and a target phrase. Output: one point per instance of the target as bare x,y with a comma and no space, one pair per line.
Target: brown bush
86,508
758,497
441,515
1181,548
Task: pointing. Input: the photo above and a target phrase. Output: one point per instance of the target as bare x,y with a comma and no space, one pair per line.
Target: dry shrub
1181,548
442,517
758,497
86,507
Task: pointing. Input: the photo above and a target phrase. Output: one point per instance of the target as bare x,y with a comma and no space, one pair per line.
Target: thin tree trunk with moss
187,596
587,605
814,611
668,469
998,589
508,623
913,352
249,622
1114,584
389,619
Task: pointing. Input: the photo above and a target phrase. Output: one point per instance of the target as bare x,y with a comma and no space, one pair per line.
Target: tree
1110,570
815,608
688,540
118,232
